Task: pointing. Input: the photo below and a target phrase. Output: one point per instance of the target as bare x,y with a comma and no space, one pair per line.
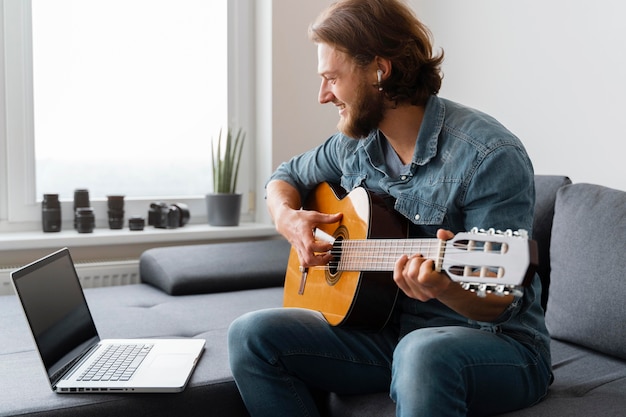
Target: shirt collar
428,136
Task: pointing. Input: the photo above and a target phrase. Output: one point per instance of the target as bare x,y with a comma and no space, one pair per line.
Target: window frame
20,206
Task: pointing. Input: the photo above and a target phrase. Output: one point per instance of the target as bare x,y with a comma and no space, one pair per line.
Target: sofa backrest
546,187
588,277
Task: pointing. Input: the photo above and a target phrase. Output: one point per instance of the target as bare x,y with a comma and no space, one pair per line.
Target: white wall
299,121
553,72
290,119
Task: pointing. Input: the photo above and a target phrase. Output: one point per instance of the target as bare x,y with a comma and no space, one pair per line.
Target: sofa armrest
215,267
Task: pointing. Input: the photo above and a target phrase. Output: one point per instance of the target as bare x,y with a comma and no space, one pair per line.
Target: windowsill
104,237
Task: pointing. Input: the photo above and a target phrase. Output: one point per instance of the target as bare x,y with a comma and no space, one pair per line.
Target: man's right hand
297,225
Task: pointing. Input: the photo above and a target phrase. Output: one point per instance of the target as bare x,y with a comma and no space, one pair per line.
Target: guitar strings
395,243
381,254
364,248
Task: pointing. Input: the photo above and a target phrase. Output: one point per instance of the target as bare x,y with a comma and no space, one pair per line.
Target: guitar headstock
487,261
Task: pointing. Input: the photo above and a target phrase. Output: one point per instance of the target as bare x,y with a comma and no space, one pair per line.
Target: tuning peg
522,233
499,290
481,290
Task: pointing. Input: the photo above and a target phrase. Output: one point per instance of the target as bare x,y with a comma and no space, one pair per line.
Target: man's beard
365,114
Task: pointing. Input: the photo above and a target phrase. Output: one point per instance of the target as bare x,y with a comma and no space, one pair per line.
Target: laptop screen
56,310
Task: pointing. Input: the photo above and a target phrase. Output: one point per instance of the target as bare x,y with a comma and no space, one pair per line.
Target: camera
168,216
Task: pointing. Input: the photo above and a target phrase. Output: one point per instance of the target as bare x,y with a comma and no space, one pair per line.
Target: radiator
91,274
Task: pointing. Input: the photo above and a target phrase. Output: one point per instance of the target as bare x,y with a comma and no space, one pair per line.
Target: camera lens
116,211
115,202
184,214
81,199
51,213
136,223
172,217
116,219
85,220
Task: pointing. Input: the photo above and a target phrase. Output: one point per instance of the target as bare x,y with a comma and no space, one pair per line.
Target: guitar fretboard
381,254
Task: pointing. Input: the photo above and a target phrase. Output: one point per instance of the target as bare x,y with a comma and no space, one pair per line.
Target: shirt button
403,178
417,217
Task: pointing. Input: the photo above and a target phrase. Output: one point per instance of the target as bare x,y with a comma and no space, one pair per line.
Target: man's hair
365,29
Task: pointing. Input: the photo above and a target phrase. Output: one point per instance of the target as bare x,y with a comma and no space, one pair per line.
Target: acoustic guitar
356,288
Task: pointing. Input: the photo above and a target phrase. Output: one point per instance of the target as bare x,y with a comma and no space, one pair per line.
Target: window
127,94
120,97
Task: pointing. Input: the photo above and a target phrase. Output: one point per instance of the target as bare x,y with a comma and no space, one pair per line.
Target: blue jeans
279,357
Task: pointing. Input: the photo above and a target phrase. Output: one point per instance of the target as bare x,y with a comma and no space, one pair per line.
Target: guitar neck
382,254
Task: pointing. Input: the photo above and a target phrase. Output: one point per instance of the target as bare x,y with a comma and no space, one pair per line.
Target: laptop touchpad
171,361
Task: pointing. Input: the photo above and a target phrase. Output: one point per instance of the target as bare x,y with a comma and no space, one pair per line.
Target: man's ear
384,66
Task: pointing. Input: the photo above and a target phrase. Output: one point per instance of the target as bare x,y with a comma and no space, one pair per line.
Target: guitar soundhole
333,265
333,273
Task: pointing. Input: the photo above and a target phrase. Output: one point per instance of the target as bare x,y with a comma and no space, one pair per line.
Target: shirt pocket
421,212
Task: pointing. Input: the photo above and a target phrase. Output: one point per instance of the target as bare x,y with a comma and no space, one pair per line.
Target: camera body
168,216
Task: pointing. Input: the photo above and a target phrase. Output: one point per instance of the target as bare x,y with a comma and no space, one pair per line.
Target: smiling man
360,108
445,168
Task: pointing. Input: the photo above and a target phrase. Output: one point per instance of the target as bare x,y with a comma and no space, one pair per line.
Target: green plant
226,156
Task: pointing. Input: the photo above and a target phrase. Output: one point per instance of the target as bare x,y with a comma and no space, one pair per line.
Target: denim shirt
467,171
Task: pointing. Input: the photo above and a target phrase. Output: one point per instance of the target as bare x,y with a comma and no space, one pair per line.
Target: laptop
68,342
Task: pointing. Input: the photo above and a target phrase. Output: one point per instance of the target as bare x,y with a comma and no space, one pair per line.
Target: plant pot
223,209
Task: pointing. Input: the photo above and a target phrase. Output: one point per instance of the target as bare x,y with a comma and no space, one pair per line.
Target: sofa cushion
586,383
215,267
546,187
587,292
126,312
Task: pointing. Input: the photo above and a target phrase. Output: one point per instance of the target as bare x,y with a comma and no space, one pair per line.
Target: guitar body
347,298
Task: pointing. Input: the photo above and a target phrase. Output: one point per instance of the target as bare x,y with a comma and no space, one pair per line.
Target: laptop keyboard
116,363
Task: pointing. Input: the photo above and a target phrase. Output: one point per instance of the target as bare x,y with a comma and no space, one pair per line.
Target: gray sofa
196,291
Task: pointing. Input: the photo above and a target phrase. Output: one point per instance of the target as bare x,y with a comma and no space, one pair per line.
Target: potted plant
224,203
